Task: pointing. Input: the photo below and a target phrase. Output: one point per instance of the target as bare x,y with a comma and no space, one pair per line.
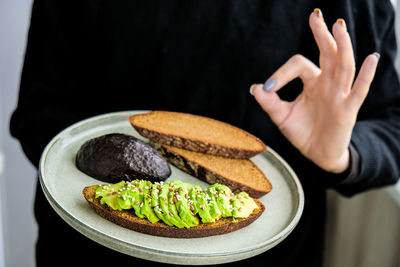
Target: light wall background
18,229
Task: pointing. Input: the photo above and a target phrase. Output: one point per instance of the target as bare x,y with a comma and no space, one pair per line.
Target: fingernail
377,55
342,22
318,12
269,85
252,88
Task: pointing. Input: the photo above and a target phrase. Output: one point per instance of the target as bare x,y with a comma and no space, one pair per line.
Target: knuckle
297,58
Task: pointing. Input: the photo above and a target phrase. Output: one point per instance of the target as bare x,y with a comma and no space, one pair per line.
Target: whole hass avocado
115,157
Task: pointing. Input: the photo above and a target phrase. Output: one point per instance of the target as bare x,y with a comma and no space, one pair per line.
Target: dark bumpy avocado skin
115,157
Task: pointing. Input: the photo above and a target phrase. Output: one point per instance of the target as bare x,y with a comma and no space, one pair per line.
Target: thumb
271,103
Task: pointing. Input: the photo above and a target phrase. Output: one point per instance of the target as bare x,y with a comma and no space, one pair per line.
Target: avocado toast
173,209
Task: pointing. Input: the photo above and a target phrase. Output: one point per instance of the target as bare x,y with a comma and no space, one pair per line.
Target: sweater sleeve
376,136
56,57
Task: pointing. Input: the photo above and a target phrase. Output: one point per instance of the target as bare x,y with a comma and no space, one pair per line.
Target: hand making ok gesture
319,122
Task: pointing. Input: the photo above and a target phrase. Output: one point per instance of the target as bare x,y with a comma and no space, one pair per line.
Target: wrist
341,165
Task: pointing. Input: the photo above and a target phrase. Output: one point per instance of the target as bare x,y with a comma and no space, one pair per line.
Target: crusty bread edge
205,174
130,221
198,145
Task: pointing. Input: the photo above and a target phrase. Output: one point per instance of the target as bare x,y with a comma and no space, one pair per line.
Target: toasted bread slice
238,174
197,133
129,220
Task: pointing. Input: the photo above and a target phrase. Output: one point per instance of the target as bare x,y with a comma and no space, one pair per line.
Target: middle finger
325,42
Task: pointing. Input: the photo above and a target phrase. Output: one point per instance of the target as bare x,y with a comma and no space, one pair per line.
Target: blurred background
362,231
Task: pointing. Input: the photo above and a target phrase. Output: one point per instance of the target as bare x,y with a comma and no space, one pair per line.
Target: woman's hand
319,122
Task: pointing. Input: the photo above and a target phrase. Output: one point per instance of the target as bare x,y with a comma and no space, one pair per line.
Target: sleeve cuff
354,167
333,180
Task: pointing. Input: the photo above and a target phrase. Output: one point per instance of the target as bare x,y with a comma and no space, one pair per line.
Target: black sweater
91,57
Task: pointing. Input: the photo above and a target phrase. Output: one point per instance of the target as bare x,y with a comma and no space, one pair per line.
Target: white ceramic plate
62,184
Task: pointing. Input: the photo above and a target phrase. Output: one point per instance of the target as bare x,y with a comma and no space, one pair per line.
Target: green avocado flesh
176,203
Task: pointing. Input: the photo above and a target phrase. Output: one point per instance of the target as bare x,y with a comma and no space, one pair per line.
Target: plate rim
59,209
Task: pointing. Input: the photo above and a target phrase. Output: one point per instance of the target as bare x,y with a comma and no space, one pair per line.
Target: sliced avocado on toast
174,204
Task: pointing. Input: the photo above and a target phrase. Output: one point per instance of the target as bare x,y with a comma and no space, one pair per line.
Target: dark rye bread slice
238,174
197,133
128,220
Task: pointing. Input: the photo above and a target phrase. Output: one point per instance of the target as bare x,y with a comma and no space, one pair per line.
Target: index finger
296,67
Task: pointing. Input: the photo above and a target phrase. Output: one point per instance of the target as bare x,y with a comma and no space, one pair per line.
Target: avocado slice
235,207
182,205
146,209
164,206
155,191
109,194
123,198
223,196
193,206
204,212
135,195
215,212
172,200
